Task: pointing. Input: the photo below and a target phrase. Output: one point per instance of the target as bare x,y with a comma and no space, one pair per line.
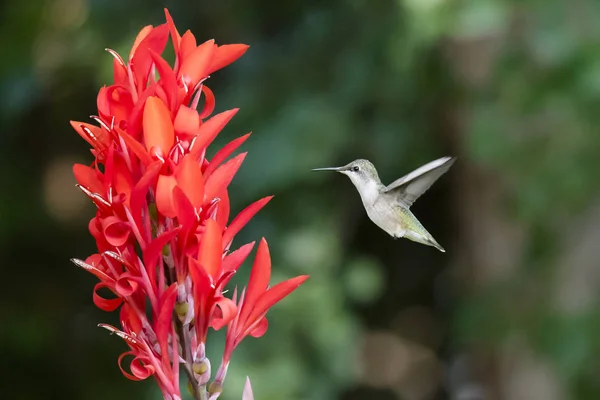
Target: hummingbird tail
424,238
435,244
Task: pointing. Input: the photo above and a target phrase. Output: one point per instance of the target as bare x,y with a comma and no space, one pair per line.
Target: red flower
162,222
256,299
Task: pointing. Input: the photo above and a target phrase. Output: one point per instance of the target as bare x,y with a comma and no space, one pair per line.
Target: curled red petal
126,285
190,180
164,195
210,129
233,261
139,369
242,219
142,368
211,249
195,65
116,232
105,304
222,177
223,153
209,102
225,55
225,311
260,328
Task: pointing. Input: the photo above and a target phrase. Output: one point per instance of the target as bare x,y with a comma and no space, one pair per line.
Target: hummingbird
389,206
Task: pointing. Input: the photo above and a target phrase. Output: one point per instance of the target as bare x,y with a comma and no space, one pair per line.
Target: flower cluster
162,223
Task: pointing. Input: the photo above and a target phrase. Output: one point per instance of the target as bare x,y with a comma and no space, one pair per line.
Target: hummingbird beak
337,169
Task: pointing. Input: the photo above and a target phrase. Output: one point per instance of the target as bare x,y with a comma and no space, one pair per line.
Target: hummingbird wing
410,187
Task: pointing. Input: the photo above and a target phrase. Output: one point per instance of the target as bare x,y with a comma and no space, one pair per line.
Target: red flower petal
200,279
225,311
153,251
190,180
209,102
174,34
122,179
140,370
93,269
135,120
260,328
223,153
130,321
158,128
211,249
164,195
259,276
223,209
135,147
242,219
138,194
163,322
141,62
276,294
105,304
168,80
210,129
222,177
195,65
120,76
102,103
186,46
186,213
120,103
89,178
233,261
126,285
97,137
225,55
186,122
115,231
145,31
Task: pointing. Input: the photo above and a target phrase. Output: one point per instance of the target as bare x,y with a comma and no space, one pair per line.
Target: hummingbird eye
355,169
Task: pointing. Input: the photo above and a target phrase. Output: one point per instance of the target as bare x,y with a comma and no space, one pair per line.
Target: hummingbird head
361,172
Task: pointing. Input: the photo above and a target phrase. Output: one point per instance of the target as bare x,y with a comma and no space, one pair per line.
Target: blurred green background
511,311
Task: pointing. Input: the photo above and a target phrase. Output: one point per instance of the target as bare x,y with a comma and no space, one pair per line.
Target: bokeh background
511,311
